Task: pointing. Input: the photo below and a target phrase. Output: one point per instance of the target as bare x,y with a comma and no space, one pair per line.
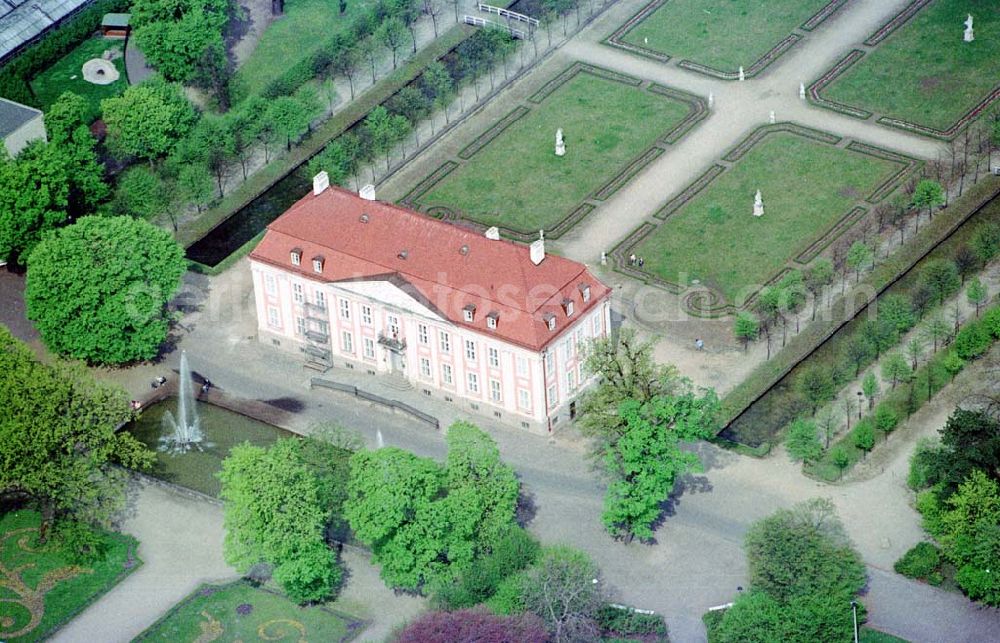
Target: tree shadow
526,508
289,404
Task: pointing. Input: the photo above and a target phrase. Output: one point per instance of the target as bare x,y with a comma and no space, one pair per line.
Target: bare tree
433,10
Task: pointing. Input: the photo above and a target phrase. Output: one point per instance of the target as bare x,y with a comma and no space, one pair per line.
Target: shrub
885,419
972,341
515,551
864,435
473,625
627,621
924,464
920,562
508,599
991,321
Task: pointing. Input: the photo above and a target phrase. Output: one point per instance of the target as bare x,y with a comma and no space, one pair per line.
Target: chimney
367,192
538,248
493,233
321,182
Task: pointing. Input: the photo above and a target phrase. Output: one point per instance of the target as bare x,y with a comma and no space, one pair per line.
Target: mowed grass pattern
518,182
66,75
723,34
924,73
806,187
267,616
305,27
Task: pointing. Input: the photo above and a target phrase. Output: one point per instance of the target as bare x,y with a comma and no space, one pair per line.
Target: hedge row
16,75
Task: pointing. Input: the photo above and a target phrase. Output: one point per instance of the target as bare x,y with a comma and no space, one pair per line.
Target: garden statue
560,143
758,205
969,34
802,91
742,76
770,117
711,99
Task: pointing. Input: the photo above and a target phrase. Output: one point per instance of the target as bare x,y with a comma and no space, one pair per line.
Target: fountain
183,433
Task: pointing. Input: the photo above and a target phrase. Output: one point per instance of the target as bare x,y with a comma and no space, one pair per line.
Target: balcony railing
317,337
391,342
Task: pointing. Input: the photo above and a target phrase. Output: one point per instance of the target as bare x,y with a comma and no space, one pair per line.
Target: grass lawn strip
305,27
807,188
47,589
720,34
240,612
598,118
923,73
66,75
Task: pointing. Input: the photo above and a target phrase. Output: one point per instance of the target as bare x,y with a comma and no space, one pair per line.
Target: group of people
636,261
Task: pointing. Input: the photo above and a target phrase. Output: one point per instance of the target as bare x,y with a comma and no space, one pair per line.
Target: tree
817,278
433,9
59,443
34,198
895,369
897,311
858,351
969,532
65,116
645,462
857,256
146,120
290,118
212,144
941,278
928,194
915,350
802,441
746,328
564,589
869,386
97,290
966,261
140,193
368,49
977,294
175,35
864,436
194,185
840,459
816,386
347,64
986,240
439,86
826,421
936,331
273,515
517,550
885,419
972,341
472,625
881,334
953,364
391,33
240,137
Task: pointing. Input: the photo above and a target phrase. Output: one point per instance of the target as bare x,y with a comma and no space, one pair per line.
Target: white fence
476,21
510,15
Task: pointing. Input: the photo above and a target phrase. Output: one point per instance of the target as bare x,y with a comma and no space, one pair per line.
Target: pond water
222,429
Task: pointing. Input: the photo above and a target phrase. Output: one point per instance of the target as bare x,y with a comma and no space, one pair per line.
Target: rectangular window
270,284
495,391
393,326
473,383
523,399
272,316
422,333
522,366
446,373
570,380
445,342
321,299
347,341
345,309
553,397
597,325
298,294
425,367
550,362
369,347
470,350
366,315
300,326
494,356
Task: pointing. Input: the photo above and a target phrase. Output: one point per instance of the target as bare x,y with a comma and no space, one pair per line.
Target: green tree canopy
802,441
564,588
175,35
58,439
140,193
97,290
147,120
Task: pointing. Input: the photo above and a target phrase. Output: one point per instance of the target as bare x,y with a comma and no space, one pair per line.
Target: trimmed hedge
922,562
16,74
625,621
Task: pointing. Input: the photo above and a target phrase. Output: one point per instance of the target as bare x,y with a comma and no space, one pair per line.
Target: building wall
19,138
487,375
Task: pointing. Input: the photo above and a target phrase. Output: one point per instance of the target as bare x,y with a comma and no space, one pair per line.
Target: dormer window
492,319
296,256
318,264
585,292
550,321
567,305
469,312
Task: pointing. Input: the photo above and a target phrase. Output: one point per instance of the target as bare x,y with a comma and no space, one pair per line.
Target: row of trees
957,479
805,576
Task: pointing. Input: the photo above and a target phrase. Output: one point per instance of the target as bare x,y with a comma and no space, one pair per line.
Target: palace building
489,324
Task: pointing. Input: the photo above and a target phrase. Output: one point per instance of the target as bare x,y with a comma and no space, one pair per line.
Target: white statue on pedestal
742,76
711,100
770,117
969,34
560,143
802,91
758,205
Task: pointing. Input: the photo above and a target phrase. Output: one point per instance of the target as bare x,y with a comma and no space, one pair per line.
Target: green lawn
924,73
806,187
518,182
266,616
24,568
67,75
306,26
723,34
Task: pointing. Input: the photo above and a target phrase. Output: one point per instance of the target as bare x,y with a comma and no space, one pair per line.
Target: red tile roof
444,266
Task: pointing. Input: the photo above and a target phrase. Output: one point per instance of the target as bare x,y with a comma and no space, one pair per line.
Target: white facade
377,326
